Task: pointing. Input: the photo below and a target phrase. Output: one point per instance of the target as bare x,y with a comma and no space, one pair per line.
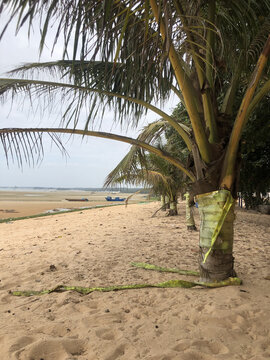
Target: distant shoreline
51,212
95,189
28,202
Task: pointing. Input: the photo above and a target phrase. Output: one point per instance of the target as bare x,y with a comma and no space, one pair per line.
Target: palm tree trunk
167,202
162,200
189,214
216,235
173,208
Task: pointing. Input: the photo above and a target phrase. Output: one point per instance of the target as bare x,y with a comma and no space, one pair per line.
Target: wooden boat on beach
83,199
109,198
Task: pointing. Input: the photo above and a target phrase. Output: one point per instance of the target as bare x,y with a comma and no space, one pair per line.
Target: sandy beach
22,203
95,248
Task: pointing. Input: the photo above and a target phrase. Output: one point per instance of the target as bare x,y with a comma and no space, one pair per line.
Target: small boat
82,199
109,198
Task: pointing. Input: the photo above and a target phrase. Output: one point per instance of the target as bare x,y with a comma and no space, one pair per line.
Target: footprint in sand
105,334
182,346
116,353
210,347
193,355
53,349
204,347
21,343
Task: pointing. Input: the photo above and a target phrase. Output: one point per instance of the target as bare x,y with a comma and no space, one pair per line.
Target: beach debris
166,284
53,268
163,269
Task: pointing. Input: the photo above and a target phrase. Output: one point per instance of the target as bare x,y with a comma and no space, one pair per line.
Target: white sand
95,248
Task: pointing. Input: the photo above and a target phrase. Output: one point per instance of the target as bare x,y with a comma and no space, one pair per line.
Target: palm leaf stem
228,173
104,135
207,102
210,43
229,98
187,91
208,109
265,89
178,127
122,35
196,98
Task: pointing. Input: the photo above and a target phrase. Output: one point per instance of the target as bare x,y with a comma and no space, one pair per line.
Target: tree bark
162,199
167,202
173,208
217,216
189,214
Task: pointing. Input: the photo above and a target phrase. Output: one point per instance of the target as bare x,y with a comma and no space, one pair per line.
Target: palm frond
107,76
126,168
145,178
257,43
136,157
103,135
27,147
98,28
155,179
138,167
76,98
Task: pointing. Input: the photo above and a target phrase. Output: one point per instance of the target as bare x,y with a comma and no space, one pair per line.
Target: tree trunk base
218,266
172,212
216,236
191,228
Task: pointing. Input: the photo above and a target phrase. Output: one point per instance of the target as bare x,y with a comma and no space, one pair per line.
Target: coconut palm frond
108,76
100,87
73,99
238,22
126,168
145,178
153,171
136,157
257,43
96,29
153,131
139,167
155,179
27,146
126,31
158,164
105,135
130,196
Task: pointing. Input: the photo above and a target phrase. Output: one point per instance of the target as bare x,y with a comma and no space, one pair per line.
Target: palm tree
139,167
163,179
152,177
135,52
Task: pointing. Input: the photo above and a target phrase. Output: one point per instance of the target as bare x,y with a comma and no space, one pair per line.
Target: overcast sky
89,160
